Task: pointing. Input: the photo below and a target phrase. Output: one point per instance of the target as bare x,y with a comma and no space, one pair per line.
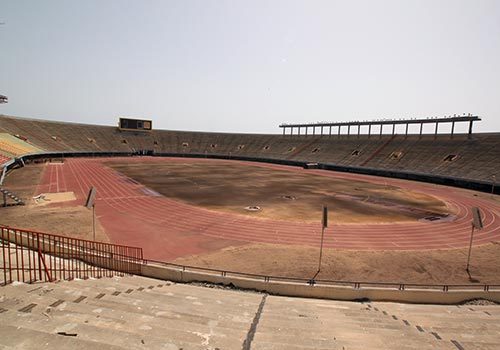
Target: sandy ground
293,196
52,198
49,217
429,267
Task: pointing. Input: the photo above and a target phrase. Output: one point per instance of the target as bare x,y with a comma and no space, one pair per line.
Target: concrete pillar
421,127
406,133
330,132
321,130
470,129
348,129
339,129
314,130
369,130
436,130
359,128
284,131
298,131
393,128
452,128
381,128
306,130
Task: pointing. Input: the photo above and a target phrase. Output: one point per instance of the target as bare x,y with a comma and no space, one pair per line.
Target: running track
167,229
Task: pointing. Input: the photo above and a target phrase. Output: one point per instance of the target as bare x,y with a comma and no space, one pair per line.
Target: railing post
39,258
3,258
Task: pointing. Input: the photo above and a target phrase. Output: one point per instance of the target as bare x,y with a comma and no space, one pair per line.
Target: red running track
132,214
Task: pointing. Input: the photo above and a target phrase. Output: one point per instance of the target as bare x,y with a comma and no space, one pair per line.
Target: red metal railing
28,256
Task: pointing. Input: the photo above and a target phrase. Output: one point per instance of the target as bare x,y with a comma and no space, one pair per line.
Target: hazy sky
248,66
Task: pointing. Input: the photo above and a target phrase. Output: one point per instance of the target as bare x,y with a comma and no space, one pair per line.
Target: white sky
248,66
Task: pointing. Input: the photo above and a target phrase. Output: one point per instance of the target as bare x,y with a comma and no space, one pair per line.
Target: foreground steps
5,193
142,313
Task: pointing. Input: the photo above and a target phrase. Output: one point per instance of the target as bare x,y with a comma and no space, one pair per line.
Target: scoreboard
135,124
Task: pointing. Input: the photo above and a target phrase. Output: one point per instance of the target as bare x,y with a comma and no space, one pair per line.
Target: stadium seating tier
474,158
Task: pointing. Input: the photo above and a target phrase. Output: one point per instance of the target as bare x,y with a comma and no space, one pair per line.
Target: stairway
7,194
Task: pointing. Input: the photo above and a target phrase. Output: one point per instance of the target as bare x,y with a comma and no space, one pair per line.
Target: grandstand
15,147
161,309
461,156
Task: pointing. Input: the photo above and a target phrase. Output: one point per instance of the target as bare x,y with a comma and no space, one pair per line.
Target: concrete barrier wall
293,289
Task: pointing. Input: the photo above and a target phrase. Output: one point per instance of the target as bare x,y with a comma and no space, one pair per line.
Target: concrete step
262,345
105,334
150,303
121,313
12,337
135,312
112,305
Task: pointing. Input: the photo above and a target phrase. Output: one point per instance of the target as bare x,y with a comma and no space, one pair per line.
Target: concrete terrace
142,313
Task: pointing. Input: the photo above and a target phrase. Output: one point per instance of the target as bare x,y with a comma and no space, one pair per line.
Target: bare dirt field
281,194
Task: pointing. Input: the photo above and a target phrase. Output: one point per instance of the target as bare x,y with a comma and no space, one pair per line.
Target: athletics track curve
167,229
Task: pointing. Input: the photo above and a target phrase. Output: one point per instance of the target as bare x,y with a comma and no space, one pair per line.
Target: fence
29,256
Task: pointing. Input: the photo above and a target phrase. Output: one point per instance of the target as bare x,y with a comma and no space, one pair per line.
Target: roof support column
298,131
330,132
321,130
381,127
393,128
348,129
470,129
421,127
314,130
359,128
339,130
452,128
306,129
369,130
284,131
406,133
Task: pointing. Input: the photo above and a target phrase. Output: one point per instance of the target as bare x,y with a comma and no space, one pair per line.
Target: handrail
29,256
61,236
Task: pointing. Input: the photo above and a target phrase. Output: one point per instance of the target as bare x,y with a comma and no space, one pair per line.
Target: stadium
411,217
254,175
